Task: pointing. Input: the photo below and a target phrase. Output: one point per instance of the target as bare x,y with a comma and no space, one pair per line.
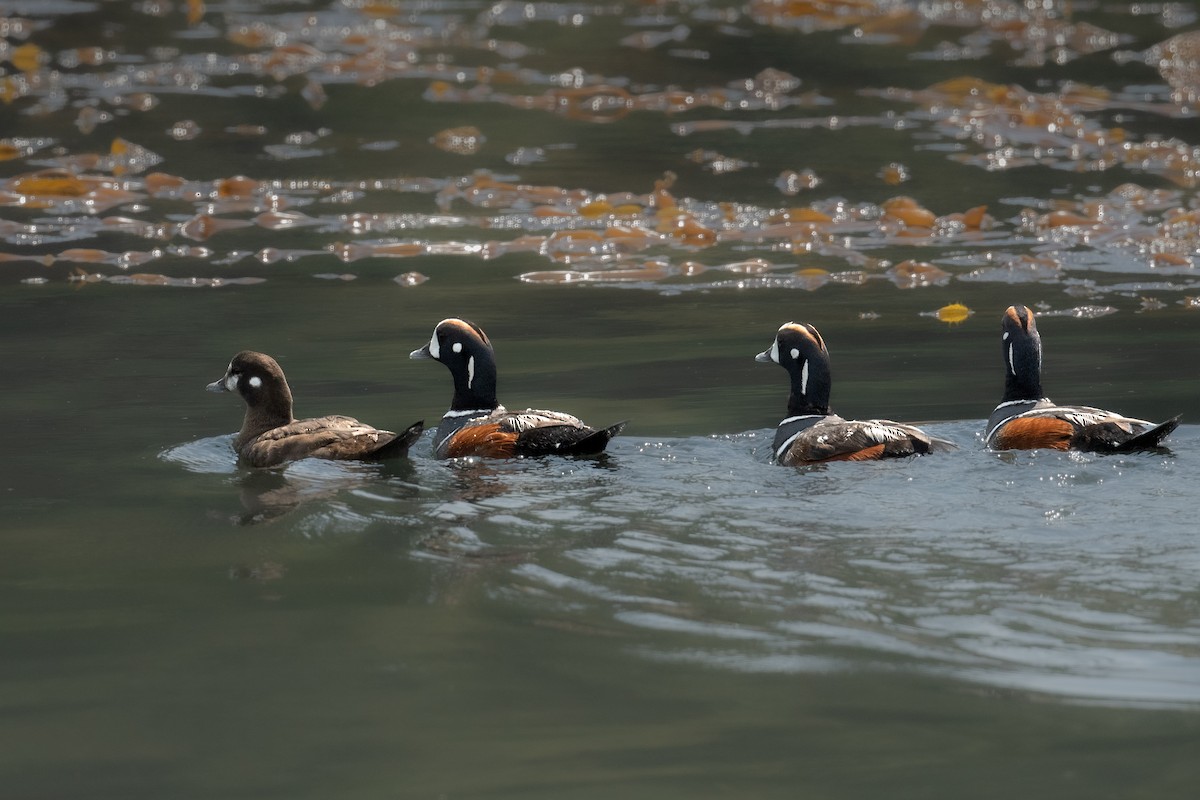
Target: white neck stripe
478,412
1008,403
802,416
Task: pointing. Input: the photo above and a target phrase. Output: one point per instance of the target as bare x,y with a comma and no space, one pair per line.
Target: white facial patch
470,366
434,349
803,377
231,383
457,347
1005,337
795,353
775,351
255,382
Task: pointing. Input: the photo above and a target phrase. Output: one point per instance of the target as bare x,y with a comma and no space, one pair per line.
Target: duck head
466,351
800,350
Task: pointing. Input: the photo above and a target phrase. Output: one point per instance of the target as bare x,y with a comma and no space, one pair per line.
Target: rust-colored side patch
482,440
873,453
1029,433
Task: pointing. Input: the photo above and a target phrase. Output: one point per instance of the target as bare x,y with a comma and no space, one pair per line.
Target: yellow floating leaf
596,208
27,57
954,313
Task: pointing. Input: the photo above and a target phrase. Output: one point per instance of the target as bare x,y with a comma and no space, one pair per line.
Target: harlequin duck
811,433
1027,419
477,425
270,435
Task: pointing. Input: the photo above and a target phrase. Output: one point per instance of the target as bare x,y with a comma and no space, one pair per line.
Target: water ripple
1064,574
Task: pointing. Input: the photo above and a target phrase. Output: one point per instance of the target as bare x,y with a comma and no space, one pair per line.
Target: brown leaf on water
894,174
160,184
49,183
812,278
195,11
314,94
915,274
464,141
238,187
202,226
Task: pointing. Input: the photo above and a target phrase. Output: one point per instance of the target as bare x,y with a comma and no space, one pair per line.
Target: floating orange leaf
195,11
28,57
49,184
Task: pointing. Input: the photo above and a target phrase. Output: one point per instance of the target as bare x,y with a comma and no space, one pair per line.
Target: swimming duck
478,425
270,435
811,433
1027,419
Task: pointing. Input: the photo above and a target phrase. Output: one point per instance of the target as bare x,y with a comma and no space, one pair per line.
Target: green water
677,619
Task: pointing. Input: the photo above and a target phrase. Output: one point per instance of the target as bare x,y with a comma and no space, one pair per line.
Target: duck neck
475,385
810,387
1023,378
259,419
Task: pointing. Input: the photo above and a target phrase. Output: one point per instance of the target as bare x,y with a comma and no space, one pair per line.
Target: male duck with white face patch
811,433
477,425
270,435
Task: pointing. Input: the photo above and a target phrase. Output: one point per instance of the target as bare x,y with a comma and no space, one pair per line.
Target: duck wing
532,432
837,439
334,437
1080,428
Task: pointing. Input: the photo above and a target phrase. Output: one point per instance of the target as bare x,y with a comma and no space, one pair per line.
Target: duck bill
764,357
217,386
420,354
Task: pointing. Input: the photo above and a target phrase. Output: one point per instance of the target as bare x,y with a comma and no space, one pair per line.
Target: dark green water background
680,619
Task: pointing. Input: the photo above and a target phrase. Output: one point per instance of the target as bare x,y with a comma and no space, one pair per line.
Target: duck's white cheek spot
1006,336
435,349
795,353
255,382
231,383
457,347
470,368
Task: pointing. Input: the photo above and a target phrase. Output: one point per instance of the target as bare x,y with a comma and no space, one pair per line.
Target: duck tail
937,445
1151,438
398,446
595,442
